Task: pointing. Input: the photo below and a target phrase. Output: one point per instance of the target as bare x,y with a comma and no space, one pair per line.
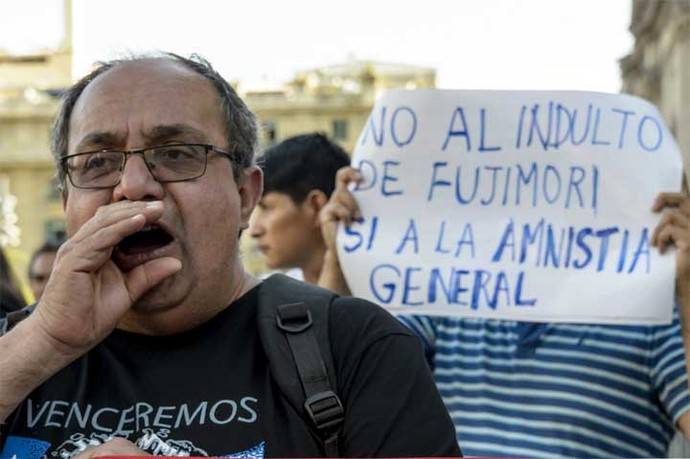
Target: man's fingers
671,217
93,243
144,277
343,213
346,199
672,235
109,215
342,194
109,236
347,175
90,253
679,200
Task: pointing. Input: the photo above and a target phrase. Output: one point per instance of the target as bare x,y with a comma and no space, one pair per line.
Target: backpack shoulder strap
293,320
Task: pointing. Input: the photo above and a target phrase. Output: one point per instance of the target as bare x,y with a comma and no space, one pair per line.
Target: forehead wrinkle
104,139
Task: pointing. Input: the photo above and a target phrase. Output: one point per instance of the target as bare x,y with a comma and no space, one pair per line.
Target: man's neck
311,269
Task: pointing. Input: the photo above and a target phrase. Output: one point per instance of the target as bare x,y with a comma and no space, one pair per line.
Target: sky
472,44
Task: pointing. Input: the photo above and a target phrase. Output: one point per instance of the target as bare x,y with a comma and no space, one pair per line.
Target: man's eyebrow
164,133
97,140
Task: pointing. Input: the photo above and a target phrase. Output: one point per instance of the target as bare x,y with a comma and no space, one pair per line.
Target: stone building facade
335,100
658,68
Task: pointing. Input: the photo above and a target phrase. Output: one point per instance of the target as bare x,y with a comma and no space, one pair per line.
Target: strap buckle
293,318
325,410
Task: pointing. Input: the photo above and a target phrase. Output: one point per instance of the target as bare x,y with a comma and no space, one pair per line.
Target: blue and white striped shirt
533,390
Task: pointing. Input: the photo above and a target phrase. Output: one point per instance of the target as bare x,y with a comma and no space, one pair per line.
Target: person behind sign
531,390
299,176
145,338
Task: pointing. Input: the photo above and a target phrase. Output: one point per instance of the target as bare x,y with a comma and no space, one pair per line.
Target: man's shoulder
346,315
360,316
281,287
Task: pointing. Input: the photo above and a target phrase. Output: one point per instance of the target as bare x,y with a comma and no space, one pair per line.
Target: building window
339,129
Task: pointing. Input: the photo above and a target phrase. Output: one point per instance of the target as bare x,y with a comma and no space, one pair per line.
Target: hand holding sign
674,230
341,208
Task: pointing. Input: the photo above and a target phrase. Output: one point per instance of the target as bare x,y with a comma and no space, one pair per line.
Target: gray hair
240,122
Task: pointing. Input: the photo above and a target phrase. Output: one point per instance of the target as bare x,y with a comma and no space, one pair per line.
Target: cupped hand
87,294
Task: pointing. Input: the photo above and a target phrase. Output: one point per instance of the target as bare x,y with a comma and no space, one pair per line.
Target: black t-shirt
208,392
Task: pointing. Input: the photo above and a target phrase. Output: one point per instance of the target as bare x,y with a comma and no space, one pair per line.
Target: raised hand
341,207
87,293
674,229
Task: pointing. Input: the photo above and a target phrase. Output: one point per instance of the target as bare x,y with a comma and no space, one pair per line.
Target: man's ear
313,203
251,187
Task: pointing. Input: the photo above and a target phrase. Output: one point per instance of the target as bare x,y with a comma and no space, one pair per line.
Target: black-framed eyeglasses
167,163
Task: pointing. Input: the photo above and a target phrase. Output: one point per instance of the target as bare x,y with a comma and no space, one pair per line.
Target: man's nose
137,183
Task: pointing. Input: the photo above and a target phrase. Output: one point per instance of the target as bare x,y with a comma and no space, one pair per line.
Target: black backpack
293,321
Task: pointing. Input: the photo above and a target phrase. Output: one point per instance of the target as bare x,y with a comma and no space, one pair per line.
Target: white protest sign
513,205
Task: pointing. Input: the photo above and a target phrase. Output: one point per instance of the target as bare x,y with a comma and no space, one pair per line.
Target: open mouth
141,246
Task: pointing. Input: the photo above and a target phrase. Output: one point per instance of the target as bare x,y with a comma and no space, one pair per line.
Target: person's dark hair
301,164
11,298
46,247
240,122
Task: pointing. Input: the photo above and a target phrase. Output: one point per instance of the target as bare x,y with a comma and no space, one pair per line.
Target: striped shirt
544,390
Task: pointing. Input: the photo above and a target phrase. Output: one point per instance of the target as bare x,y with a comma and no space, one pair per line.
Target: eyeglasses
166,163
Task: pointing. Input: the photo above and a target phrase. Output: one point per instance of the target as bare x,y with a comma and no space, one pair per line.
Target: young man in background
299,177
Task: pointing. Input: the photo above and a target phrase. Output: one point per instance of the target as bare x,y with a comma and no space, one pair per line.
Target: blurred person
40,267
299,176
11,298
524,389
146,336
